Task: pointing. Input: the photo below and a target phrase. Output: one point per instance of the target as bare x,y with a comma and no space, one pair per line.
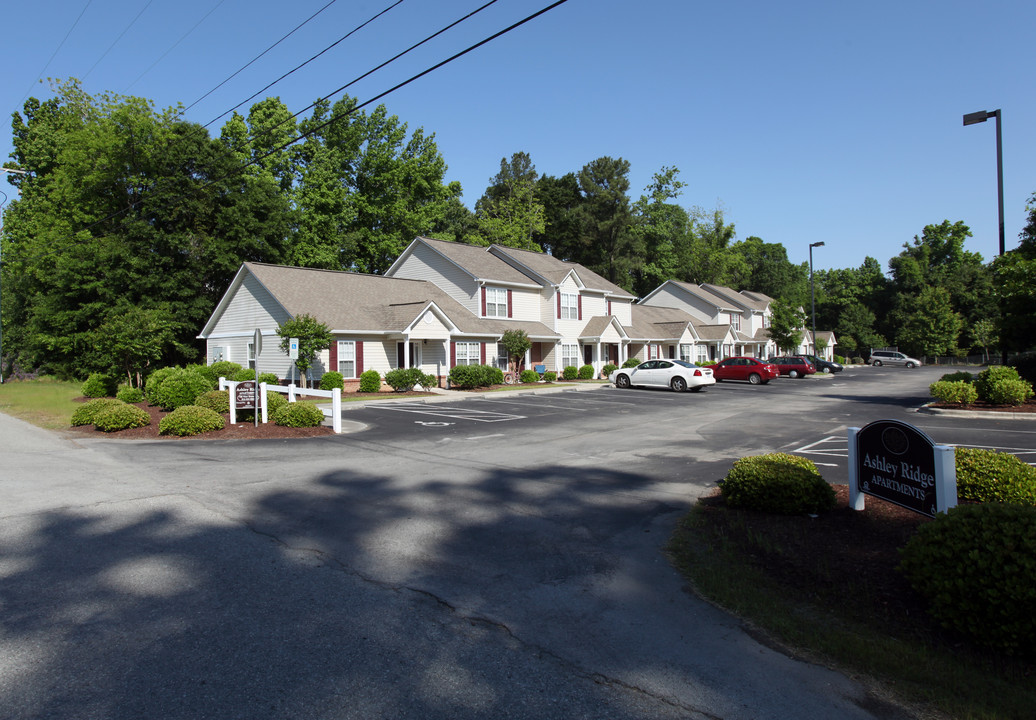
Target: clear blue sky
805,121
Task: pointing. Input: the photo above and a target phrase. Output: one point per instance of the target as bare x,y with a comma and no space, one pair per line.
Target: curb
984,414
449,396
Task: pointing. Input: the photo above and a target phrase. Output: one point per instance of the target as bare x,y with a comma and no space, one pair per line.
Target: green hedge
121,417
88,411
475,376
99,385
631,362
332,380
959,376
1002,385
268,378
180,387
586,372
956,392
777,483
299,414
190,420
989,476
530,376
550,376
569,372
216,400
222,368
130,394
976,566
609,369
405,379
370,381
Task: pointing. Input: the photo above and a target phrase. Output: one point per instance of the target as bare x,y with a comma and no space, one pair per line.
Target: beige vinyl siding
668,297
252,307
426,264
594,305
622,309
525,305
570,329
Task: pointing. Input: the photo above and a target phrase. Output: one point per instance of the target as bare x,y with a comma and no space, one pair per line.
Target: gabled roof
716,301
653,324
743,299
552,271
475,260
715,332
357,303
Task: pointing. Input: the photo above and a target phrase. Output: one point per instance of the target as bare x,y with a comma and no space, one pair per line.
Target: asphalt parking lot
490,557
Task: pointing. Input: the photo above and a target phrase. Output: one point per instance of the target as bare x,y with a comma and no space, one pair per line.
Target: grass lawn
47,403
827,589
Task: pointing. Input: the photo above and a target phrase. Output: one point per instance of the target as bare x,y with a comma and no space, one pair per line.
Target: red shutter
580,302
359,358
609,307
482,353
509,314
453,354
333,353
483,302
559,304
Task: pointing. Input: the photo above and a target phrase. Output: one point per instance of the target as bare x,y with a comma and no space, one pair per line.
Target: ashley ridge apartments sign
898,463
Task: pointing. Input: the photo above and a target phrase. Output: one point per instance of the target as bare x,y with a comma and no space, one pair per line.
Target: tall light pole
980,117
20,172
812,296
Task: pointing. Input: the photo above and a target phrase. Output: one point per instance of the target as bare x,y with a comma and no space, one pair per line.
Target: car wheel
826,371
755,378
678,384
622,381
876,363
910,365
793,374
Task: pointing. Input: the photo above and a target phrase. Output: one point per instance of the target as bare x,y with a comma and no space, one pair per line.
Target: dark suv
794,366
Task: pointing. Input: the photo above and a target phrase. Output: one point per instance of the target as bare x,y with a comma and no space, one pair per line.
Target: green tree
664,231
517,343
707,258
786,325
770,272
132,338
931,327
1015,274
313,336
561,200
984,334
608,247
509,213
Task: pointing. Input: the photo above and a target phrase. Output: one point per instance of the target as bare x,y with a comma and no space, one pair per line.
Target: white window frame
735,321
569,355
251,355
703,353
468,353
685,352
501,357
347,358
569,306
496,302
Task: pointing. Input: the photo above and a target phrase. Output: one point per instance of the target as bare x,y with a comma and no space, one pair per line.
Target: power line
116,41
174,45
299,67
236,72
58,49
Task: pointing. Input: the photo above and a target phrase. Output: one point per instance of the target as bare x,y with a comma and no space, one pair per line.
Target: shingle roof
555,271
709,297
478,261
348,302
657,323
742,298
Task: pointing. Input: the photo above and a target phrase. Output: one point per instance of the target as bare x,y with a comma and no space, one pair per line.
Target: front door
415,356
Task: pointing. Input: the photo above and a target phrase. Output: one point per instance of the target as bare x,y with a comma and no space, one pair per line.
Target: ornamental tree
313,336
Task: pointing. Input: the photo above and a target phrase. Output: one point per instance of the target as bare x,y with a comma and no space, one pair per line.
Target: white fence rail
292,391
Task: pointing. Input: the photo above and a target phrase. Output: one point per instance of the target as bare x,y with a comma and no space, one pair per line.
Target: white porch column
406,350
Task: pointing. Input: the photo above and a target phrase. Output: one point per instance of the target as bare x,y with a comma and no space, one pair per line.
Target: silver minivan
891,357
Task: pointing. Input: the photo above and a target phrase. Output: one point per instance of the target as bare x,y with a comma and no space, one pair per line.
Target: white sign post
257,347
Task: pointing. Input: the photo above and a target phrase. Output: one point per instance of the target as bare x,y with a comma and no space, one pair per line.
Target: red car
794,366
751,369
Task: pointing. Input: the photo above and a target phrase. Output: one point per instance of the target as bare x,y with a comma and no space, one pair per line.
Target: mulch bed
243,430
1027,407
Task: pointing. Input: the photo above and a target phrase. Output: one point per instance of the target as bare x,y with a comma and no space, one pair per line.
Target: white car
675,374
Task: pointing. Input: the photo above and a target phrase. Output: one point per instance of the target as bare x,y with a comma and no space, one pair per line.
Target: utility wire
236,72
174,45
116,41
299,67
58,49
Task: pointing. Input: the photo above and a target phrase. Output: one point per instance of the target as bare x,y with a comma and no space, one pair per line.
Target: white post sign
293,348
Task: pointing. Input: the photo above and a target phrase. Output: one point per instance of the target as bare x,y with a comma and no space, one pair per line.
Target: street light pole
980,117
20,172
812,296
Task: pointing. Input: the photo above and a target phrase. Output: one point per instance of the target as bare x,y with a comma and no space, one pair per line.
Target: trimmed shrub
299,414
181,387
190,420
569,372
990,476
370,381
130,394
404,379
958,392
121,417
840,359
469,376
332,380
154,382
242,375
550,376
530,376
1002,385
494,375
222,368
586,372
960,376
215,400
99,385
274,402
976,566
85,413
777,483
609,369
708,363
269,378
1025,364
857,360
631,362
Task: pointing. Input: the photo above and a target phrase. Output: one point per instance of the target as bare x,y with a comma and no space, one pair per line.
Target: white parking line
458,414
534,405
831,446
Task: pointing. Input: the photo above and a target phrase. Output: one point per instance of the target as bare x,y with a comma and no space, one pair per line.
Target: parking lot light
812,297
